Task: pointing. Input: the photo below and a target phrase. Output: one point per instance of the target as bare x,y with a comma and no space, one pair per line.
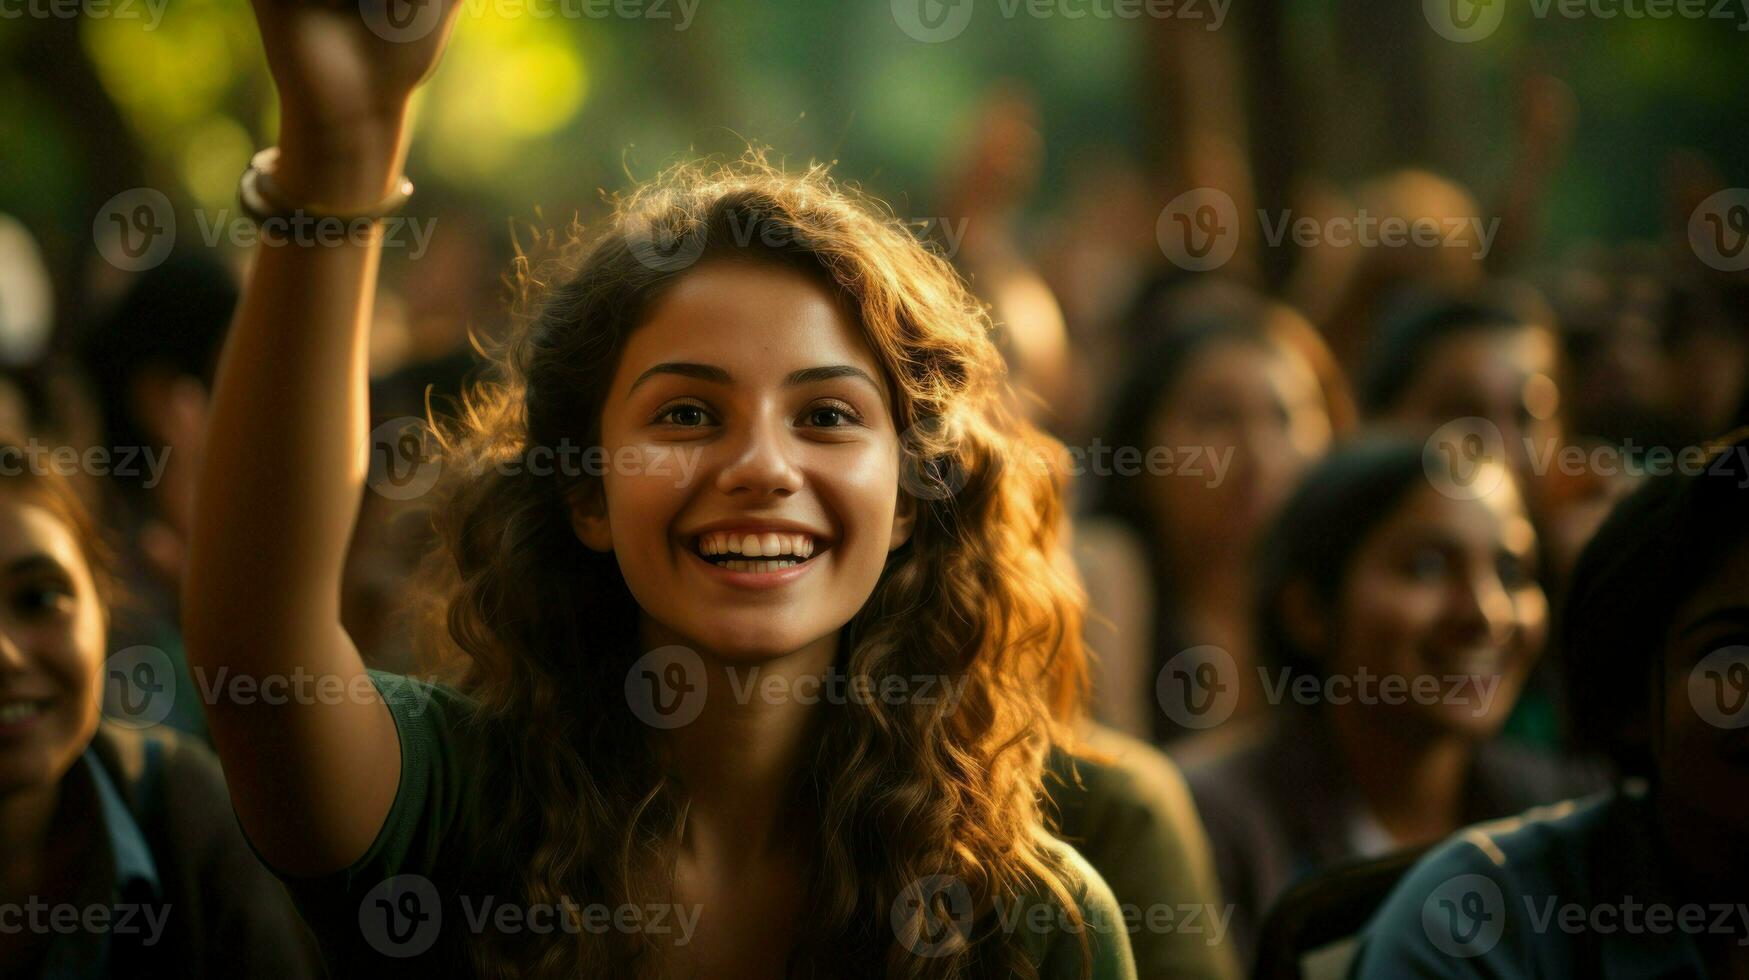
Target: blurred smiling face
51,646
1447,588
767,498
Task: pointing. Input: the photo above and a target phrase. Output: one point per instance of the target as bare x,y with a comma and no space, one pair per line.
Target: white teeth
766,545
13,712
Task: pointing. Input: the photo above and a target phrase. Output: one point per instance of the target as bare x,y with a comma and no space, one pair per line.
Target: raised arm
313,778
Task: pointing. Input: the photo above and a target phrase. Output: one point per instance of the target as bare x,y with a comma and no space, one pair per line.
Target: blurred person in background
1379,575
989,181
150,359
1242,395
1119,801
1440,360
95,814
1655,634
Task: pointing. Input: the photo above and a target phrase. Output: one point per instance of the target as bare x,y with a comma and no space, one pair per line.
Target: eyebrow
716,375
38,562
1723,614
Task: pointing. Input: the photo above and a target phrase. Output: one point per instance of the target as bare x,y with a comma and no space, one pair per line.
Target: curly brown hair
541,630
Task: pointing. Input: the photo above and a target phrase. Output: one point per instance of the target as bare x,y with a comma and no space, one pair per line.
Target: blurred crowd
1299,475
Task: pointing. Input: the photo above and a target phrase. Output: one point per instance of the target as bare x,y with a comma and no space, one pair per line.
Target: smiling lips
766,551
17,714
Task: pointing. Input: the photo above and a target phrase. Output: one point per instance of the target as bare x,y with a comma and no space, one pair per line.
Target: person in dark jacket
1399,611
119,852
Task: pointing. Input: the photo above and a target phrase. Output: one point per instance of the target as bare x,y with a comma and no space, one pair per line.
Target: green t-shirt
1125,807
404,909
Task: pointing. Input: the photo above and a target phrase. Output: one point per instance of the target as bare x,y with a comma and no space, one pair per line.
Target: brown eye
1426,564
686,416
42,601
833,416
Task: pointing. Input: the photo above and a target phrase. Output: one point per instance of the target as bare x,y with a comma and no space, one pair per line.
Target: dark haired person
1228,399
1438,360
119,853
1646,880
1399,614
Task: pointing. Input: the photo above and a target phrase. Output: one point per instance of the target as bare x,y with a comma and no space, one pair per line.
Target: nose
1484,609
760,461
11,656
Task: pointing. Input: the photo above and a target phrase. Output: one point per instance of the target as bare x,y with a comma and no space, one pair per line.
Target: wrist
342,167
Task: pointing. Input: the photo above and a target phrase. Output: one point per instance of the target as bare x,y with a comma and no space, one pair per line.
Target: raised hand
345,72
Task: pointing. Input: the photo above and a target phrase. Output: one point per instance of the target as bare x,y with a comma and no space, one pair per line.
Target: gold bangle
261,199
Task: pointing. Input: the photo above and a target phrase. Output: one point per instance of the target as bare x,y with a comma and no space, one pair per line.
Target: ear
904,520
1305,623
589,519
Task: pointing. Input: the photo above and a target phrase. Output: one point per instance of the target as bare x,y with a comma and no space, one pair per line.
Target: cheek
1384,619
1531,608
862,494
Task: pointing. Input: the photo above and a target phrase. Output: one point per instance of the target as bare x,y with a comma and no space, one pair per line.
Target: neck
1210,579
1412,782
738,760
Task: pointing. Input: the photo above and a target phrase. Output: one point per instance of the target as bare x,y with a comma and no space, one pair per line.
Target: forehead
759,321
27,528
1246,362
1494,519
1527,348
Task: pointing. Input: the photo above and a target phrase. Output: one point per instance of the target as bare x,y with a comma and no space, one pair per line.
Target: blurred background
1194,224
1584,158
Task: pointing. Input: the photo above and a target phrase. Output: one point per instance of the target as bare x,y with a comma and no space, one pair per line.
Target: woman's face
1503,375
747,417
1256,406
1443,593
51,647
1702,743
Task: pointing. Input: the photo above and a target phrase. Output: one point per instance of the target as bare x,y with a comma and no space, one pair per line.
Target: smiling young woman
807,433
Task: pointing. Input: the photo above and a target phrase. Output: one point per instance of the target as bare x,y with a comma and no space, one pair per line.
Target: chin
752,644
